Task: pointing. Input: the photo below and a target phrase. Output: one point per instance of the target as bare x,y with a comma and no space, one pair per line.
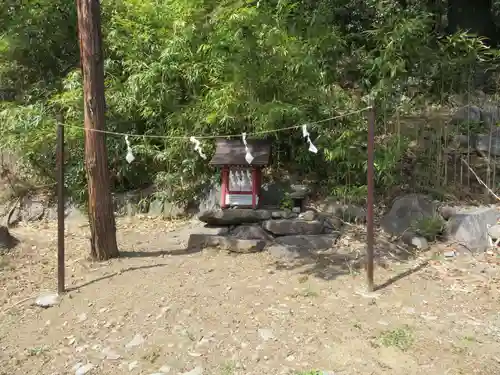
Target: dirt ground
162,310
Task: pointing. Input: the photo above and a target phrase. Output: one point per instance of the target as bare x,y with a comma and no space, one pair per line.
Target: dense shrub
206,67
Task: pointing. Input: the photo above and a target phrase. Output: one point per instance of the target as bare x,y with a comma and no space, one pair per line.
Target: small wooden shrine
240,180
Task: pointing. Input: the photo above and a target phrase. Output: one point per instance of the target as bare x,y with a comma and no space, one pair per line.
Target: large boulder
234,216
293,227
488,143
467,114
235,245
469,226
406,211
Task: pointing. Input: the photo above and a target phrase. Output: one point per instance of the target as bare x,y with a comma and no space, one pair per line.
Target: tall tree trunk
100,206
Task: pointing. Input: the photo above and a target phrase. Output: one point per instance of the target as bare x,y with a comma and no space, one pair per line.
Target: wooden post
100,204
370,200
60,206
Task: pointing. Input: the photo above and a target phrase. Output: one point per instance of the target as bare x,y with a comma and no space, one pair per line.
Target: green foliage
205,67
401,338
287,202
429,227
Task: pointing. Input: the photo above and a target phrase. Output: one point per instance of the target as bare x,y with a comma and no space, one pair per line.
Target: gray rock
234,216
469,226
419,242
110,354
308,215
85,369
450,254
331,206
242,246
488,144
138,340
209,200
156,207
347,212
490,114
266,334
214,230
331,223
465,114
283,214
47,300
250,232
353,214
291,227
32,210
202,241
15,217
405,211
494,231
172,210
165,369
447,212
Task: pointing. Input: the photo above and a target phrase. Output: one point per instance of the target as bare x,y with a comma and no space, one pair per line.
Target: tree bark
100,205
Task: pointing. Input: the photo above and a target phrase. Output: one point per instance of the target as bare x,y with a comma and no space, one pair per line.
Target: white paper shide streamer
130,156
307,136
248,156
197,147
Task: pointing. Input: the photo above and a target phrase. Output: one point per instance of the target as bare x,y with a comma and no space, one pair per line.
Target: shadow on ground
351,260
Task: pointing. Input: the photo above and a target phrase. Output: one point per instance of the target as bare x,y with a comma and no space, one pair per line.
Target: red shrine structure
241,181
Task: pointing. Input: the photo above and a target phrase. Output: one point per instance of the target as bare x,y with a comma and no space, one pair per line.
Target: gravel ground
162,310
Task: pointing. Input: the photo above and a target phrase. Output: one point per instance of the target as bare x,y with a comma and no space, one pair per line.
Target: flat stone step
287,227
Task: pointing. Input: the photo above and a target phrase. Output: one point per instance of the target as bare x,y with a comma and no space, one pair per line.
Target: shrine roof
232,152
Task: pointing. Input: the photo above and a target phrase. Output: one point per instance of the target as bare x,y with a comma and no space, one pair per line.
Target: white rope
216,136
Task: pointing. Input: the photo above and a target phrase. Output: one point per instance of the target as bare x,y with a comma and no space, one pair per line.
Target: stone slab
469,226
293,227
234,216
236,245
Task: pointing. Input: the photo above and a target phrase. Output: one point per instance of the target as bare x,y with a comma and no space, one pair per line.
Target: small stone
47,300
110,354
266,334
408,310
420,243
196,371
82,317
133,365
136,341
85,369
165,369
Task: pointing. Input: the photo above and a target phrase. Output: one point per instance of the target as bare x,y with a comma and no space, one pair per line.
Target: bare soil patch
162,310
